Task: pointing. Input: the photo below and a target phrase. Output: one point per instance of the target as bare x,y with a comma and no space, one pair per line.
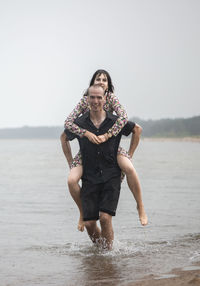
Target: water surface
39,241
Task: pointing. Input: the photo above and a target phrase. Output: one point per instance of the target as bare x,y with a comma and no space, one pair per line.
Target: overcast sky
49,50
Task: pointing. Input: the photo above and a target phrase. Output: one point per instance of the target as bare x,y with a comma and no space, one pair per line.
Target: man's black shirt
99,161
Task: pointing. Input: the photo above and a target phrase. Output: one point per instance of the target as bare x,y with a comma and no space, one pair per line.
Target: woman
102,78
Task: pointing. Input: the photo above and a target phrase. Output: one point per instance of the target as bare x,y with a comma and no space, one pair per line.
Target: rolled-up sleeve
128,128
70,136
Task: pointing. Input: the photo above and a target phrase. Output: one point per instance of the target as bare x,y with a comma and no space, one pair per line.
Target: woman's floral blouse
112,105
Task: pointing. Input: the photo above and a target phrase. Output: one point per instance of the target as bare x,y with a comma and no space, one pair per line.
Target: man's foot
81,224
142,215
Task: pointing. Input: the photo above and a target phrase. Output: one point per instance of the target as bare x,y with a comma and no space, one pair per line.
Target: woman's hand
103,138
92,137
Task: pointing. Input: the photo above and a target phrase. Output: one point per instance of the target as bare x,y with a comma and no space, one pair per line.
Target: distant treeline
27,132
181,127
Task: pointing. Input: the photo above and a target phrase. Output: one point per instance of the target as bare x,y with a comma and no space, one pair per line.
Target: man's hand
130,156
92,137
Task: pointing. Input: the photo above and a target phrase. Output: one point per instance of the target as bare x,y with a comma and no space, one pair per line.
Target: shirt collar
109,116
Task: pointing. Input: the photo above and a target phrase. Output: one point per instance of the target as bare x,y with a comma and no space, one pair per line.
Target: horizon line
59,126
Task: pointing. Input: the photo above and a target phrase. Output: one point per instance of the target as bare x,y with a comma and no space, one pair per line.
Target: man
101,173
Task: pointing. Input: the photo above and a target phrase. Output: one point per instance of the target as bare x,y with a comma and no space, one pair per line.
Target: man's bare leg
107,233
134,185
93,231
103,237
75,190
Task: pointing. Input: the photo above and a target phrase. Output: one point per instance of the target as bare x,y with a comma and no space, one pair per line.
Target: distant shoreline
162,139
185,139
150,139
186,129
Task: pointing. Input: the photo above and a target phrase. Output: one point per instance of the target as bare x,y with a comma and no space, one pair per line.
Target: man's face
96,98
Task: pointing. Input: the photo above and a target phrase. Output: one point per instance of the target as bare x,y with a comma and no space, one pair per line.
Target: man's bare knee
90,224
105,218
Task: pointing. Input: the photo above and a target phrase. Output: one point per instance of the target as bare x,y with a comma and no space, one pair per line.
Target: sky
49,50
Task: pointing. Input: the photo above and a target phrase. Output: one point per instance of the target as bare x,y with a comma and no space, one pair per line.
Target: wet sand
187,276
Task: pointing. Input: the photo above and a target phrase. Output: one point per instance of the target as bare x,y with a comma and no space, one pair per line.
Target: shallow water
39,241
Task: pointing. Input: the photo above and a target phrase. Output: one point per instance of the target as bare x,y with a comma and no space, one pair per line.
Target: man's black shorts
100,198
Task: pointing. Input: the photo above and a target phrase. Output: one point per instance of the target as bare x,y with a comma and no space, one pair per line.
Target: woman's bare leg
74,188
134,185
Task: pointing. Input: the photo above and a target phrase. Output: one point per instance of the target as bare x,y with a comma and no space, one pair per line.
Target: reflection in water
100,269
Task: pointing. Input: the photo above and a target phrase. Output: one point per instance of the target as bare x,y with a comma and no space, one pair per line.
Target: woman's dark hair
99,72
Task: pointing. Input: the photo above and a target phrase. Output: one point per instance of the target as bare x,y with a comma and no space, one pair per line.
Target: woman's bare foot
81,224
142,215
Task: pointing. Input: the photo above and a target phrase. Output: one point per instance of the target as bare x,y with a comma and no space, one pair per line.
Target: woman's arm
80,108
120,112
114,105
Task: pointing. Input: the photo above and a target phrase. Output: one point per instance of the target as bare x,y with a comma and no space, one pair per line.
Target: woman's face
102,80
